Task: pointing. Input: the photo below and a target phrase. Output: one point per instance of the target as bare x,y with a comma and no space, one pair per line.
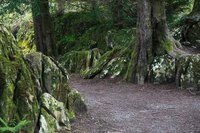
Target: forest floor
115,106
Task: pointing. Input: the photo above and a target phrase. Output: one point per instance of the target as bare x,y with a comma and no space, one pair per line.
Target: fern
14,129
3,122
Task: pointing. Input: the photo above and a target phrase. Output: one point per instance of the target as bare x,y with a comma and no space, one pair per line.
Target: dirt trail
115,106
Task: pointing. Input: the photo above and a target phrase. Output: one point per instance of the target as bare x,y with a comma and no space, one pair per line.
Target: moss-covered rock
34,87
162,70
17,97
184,70
75,103
188,71
103,61
49,75
113,63
54,116
116,67
76,61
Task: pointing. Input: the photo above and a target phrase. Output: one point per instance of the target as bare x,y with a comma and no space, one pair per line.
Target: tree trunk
143,49
43,27
153,38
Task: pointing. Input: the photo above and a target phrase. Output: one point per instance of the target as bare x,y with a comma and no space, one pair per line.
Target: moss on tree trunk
153,38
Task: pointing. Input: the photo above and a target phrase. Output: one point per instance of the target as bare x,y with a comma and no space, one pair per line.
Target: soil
115,106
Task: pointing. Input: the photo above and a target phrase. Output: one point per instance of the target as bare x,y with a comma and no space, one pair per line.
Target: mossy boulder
34,87
113,63
17,97
183,69
162,70
49,76
77,61
75,103
116,67
54,116
188,72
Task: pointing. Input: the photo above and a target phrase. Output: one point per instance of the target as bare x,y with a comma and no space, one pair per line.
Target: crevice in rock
37,126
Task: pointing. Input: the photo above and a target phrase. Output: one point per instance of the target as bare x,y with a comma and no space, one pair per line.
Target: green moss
75,103
166,45
73,28
130,71
162,69
188,72
76,61
47,122
18,91
23,80
54,114
2,81
25,37
103,61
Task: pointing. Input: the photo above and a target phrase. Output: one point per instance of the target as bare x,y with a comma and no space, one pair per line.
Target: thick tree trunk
153,38
162,39
43,28
142,54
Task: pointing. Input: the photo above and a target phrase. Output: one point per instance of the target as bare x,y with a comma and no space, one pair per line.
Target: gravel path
115,106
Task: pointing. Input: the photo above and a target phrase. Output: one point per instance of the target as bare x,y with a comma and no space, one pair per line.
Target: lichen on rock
77,61
162,70
54,114
188,71
34,87
17,98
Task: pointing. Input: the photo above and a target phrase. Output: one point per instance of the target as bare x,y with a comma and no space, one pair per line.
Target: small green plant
6,128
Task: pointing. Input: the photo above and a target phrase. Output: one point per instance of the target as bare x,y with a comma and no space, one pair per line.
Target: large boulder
183,69
35,87
76,61
188,72
111,64
18,100
162,70
54,116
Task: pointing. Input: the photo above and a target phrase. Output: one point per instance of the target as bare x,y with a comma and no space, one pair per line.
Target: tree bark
43,28
143,49
153,38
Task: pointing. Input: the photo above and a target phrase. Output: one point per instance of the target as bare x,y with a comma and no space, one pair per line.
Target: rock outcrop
35,87
184,70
